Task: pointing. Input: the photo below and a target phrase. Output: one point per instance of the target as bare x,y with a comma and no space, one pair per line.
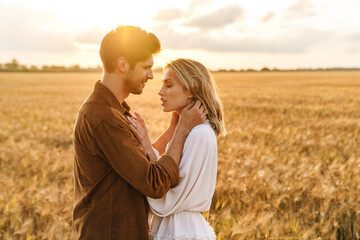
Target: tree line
15,66
266,69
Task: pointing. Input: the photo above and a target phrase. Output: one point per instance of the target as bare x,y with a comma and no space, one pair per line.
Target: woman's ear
190,96
122,64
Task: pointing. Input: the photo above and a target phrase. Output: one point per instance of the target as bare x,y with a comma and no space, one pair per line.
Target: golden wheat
289,166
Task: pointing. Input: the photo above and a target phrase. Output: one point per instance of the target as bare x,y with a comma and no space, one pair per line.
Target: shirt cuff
171,168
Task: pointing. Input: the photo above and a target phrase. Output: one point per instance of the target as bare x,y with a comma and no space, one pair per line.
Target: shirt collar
104,92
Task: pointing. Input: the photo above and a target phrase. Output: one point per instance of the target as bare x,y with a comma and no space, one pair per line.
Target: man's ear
122,64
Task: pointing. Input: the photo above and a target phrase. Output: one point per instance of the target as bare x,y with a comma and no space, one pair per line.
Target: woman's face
172,95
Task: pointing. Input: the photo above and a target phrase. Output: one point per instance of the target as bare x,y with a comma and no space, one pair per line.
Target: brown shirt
112,174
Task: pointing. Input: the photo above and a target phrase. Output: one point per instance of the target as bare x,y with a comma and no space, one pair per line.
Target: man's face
139,75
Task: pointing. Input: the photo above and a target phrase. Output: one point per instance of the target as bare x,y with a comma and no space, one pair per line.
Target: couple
120,177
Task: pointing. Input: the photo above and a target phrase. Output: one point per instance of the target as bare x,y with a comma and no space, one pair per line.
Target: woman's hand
192,115
137,123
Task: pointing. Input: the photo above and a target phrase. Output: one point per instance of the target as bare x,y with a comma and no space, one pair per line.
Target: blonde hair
195,78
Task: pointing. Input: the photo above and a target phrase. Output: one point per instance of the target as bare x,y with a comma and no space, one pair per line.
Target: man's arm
122,151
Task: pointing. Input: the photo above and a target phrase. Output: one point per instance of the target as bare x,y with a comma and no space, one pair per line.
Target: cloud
286,39
92,36
195,4
25,30
213,20
167,14
301,9
354,48
217,19
268,17
298,41
353,42
355,37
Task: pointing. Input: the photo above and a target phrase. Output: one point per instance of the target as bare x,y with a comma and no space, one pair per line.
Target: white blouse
178,213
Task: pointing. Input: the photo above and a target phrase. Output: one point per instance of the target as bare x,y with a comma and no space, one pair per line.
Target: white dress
178,213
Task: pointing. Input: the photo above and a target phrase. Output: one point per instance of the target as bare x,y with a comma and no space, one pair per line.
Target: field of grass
289,167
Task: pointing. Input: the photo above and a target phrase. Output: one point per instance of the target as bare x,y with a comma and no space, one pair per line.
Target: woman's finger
130,119
197,104
137,133
135,130
136,125
190,105
202,108
134,122
140,118
136,119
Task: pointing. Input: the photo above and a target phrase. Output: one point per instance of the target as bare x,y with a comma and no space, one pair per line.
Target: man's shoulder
95,110
93,107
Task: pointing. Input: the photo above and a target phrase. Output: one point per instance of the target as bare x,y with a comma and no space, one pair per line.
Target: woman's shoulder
202,131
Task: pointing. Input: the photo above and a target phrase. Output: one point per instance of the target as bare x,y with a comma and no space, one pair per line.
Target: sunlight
294,30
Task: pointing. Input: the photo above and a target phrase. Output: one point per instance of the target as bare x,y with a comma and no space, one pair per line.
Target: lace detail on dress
183,237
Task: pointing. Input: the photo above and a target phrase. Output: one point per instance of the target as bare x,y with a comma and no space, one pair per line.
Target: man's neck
115,84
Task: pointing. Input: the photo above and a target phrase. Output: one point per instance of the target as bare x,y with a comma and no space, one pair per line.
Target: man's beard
133,86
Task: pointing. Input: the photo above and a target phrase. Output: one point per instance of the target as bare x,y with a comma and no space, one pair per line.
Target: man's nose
150,75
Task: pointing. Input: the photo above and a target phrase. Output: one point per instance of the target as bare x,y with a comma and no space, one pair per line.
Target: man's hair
131,42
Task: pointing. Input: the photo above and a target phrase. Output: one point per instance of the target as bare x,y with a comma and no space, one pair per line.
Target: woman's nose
160,92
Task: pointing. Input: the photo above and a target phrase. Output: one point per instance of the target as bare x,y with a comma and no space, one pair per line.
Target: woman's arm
198,169
161,142
138,125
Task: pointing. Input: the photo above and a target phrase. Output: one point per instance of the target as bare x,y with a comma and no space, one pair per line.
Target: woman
178,214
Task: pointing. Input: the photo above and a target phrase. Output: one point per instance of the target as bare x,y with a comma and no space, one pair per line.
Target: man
112,173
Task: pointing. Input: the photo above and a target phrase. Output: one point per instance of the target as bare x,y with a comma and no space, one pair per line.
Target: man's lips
144,82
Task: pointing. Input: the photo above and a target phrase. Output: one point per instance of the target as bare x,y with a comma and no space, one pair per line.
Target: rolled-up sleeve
126,156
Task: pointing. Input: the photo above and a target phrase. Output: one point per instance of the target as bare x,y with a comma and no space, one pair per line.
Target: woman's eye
167,86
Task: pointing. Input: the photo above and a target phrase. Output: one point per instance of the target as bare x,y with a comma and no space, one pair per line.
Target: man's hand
192,115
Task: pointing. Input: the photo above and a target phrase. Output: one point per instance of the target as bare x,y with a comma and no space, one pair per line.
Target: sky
225,34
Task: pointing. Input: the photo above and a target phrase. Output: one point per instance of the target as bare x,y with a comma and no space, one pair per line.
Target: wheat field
289,166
